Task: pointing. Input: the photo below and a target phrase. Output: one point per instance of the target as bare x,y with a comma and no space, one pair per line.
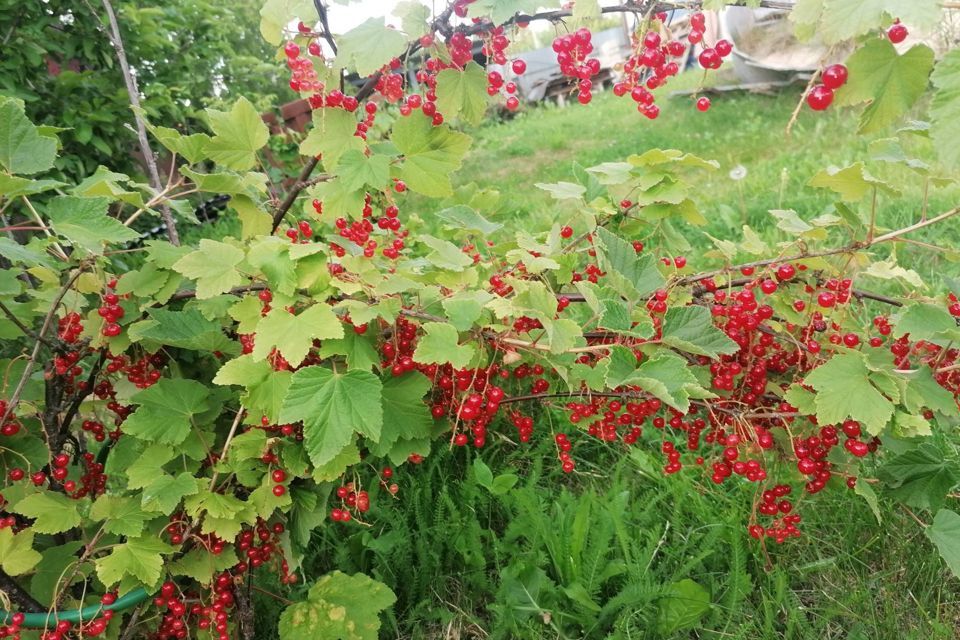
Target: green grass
593,556
542,144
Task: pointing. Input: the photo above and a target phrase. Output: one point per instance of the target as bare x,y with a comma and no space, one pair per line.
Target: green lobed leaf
945,109
407,414
166,410
201,565
52,512
445,254
845,390
889,82
639,275
187,329
357,170
276,15
84,221
691,329
440,344
140,558
333,133
920,477
846,19
850,183
430,154
944,533
683,605
121,515
463,93
17,555
338,606
239,134
293,335
23,149
461,217
332,406
213,266
369,46
928,322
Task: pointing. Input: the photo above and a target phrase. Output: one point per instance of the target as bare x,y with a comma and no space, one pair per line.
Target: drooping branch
631,6
131,83
851,248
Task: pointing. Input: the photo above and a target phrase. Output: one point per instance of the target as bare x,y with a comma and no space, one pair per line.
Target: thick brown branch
18,595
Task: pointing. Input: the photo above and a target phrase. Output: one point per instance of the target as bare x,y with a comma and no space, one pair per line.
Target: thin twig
134,93
32,360
24,328
226,444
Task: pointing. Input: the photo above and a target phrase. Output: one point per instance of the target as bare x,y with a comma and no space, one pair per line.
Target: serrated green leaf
121,515
201,565
691,329
921,477
414,16
333,133
563,190
462,217
928,322
332,406
847,19
639,275
186,329
338,606
85,223
944,533
463,93
851,183
440,344
53,512
845,390
357,170
369,46
23,149
17,555
140,558
360,350
213,266
293,335
945,109
239,134
445,255
889,82
430,154
682,606
465,308
166,410
276,15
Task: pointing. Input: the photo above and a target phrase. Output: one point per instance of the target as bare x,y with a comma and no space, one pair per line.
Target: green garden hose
48,619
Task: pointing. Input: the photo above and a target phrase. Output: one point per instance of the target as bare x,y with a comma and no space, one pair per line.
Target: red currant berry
897,33
820,97
834,76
